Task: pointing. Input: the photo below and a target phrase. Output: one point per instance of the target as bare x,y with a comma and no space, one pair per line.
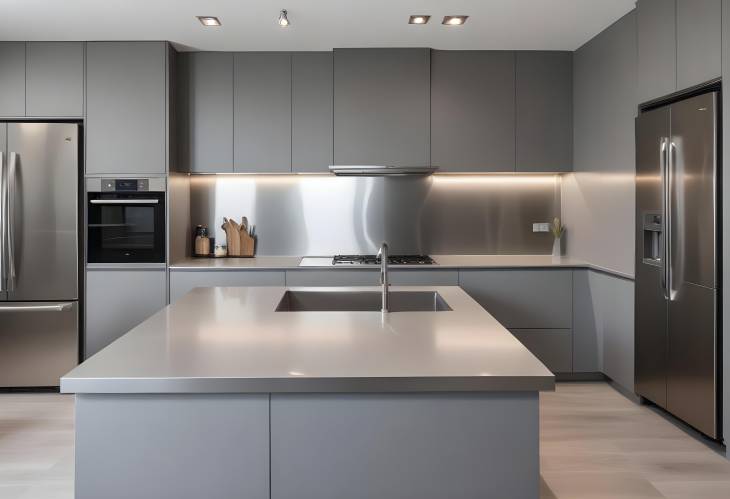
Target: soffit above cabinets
318,24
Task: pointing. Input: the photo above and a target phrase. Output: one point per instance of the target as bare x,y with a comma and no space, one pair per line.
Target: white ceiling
316,24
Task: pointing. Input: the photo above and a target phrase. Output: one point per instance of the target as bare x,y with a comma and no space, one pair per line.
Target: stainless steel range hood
380,170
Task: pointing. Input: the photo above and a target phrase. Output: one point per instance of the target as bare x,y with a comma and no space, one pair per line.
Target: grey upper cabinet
205,111
382,107
699,41
12,79
657,48
54,79
544,115
473,111
657,55
126,108
311,111
262,112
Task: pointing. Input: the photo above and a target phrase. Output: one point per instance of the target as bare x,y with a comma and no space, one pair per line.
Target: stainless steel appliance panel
652,142
327,215
692,178
43,184
38,342
692,368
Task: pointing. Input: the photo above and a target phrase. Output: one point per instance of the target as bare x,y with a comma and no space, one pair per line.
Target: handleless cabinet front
55,79
473,110
699,41
12,79
262,112
205,111
657,48
119,300
382,107
126,96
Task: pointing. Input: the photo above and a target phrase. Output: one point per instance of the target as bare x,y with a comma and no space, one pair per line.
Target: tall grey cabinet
205,111
262,112
126,108
544,111
12,79
473,110
311,111
382,107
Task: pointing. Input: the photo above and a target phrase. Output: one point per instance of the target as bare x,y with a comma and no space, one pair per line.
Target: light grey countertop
231,340
442,262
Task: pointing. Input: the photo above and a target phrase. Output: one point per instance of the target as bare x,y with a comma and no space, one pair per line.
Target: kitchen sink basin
361,301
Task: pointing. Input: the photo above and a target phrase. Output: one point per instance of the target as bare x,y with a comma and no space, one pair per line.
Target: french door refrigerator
39,248
676,299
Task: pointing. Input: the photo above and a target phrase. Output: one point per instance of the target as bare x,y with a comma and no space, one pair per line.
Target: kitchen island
220,395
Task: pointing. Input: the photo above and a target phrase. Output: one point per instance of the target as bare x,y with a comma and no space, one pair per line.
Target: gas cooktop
374,260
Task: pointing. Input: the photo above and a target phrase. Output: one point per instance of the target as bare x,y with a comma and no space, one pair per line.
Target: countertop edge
113,386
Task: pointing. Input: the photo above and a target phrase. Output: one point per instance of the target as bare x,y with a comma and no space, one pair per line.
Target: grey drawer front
554,347
183,281
523,299
334,277
425,277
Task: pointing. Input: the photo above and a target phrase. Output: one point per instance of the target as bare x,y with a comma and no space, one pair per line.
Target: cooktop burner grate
374,260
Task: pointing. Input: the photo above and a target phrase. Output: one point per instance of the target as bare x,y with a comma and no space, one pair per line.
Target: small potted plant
557,229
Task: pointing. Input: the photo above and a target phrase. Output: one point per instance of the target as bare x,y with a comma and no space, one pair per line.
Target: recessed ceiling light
209,21
454,20
283,20
418,19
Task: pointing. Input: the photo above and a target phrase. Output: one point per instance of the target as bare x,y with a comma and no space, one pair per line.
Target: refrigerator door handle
668,217
10,220
3,231
46,307
663,156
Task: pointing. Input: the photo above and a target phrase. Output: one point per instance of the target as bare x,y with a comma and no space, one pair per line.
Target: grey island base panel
308,446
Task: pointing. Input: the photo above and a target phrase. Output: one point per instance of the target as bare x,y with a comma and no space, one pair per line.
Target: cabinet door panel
544,100
12,79
183,281
262,112
699,41
473,110
552,346
657,49
311,111
119,300
334,277
523,299
126,108
206,112
55,79
381,107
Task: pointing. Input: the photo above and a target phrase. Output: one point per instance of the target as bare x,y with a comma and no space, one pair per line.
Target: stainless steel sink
361,301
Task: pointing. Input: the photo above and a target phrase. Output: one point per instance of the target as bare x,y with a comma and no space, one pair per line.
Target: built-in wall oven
125,220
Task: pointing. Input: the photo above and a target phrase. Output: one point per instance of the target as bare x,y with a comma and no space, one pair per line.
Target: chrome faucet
383,254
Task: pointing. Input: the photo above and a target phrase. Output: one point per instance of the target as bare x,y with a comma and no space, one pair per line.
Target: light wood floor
595,444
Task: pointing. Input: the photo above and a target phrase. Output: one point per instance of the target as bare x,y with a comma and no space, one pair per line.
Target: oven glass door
126,227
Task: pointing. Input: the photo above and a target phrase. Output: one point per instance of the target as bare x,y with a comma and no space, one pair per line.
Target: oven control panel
125,185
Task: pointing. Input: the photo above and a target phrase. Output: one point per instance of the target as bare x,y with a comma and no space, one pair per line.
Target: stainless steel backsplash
325,215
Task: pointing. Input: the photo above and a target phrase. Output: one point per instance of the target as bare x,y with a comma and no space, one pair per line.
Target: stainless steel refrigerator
39,249
676,307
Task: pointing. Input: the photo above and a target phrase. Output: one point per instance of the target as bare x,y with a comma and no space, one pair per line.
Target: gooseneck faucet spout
383,255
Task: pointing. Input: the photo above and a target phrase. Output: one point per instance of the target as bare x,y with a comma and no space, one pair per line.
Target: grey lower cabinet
699,41
262,123
554,347
182,281
118,300
656,42
382,107
12,79
371,277
544,111
54,79
205,111
311,111
126,108
472,110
